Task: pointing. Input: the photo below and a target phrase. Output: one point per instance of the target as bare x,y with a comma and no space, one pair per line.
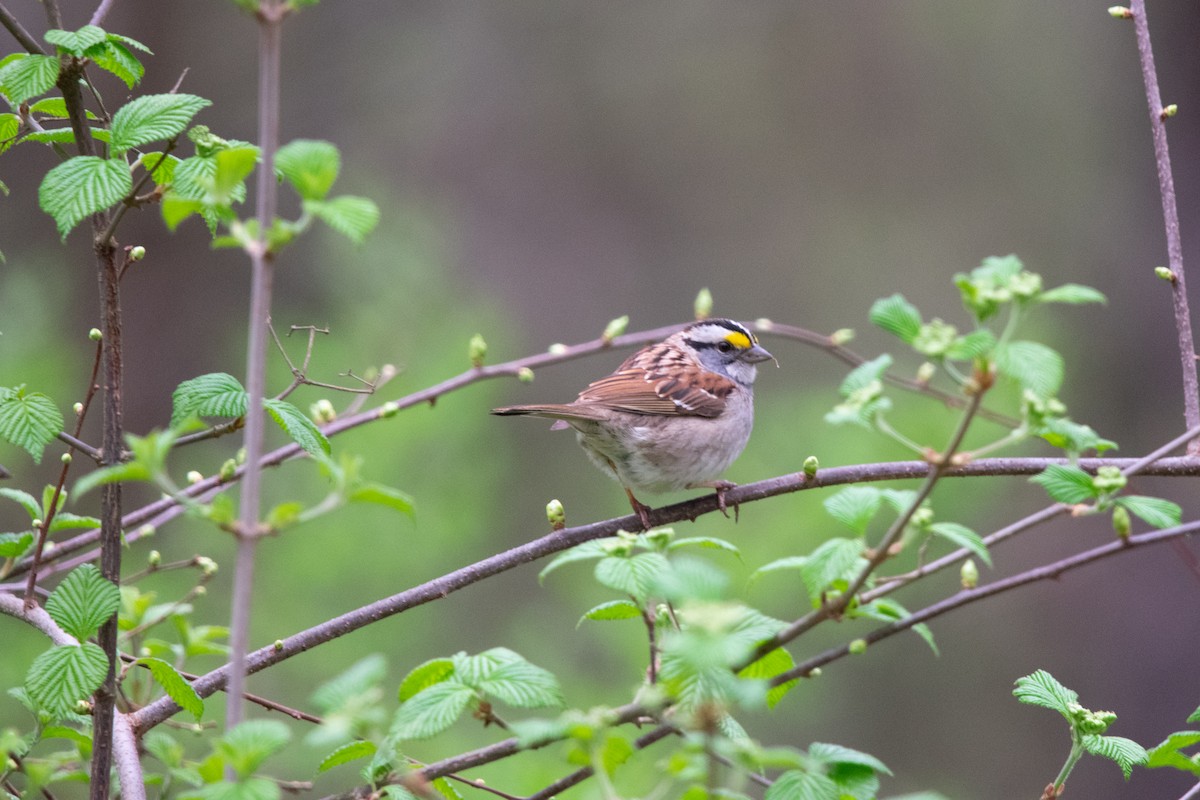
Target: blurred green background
545,167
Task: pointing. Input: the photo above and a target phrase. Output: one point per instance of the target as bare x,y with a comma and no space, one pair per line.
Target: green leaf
233,166
352,751
62,676
833,560
29,420
1167,753
10,126
61,136
523,685
962,536
117,473
800,785
897,316
310,166
886,609
75,42
14,545
614,609
1074,437
865,374
83,602
471,670
252,742
973,345
432,710
1066,484
27,501
27,77
1032,365
361,677
297,425
634,575
1041,689
174,685
854,507
424,676
161,166
216,394
153,117
81,186
353,217
1072,293
117,59
837,754
1126,752
787,563
1154,511
588,551
382,495
54,107
708,542
775,662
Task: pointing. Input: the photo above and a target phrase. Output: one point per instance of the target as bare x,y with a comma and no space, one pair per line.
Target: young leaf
251,743
588,551
707,542
27,501
962,536
837,754
61,677
1154,511
81,186
425,675
29,420
153,117
471,670
523,685
1066,484
353,217
297,425
1126,752
886,609
14,545
83,601
1071,293
117,59
800,785
634,575
773,663
865,374
614,609
310,166
1167,753
75,42
216,394
787,563
1032,365
383,495
1041,689
351,751
27,77
174,685
854,507
234,164
432,710
10,125
897,316
832,560
972,345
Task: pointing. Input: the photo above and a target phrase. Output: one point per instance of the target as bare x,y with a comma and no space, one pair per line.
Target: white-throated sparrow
673,416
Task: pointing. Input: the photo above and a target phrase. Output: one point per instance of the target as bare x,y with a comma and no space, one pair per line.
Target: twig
13,26
580,775
1166,187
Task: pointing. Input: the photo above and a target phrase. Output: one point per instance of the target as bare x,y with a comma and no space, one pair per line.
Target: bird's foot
639,508
720,487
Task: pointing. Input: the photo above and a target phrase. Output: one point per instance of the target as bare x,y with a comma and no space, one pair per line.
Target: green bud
145,652
815,672
389,409
240,455
702,307
154,558
811,465
556,515
659,538
37,523
1121,521
83,707
525,375
77,408
618,548
1120,12
146,531
207,566
322,411
65,458
1109,479
95,335
922,517
858,647
841,336
1026,284
615,328
763,324
925,372
558,349
1168,111
1165,274
278,645
194,476
137,253
934,338
477,350
968,574
228,470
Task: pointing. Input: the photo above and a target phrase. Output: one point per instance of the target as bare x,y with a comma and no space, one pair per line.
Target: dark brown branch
13,26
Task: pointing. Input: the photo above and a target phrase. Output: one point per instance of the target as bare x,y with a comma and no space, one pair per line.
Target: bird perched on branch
673,416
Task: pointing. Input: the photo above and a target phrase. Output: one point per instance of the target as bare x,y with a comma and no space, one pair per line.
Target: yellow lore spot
739,340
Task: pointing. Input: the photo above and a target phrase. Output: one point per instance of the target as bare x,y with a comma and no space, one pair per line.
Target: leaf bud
1120,521
389,409
278,645
525,375
1120,12
815,672
95,335
77,408
811,465
556,515
659,538
137,253
65,458
1165,274
36,524
925,372
615,328
153,559
240,455
841,336
207,566
146,531
322,411
968,574
763,324
858,647
702,307
228,470
477,350
194,476
200,591
558,349
1109,479
1168,111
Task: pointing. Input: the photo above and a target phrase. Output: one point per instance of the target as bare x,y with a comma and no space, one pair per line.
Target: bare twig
13,26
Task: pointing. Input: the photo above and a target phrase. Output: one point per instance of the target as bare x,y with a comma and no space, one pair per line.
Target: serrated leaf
854,507
353,217
382,495
10,126
865,374
351,751
1041,689
311,166
523,685
233,165
588,551
161,166
799,785
65,520
62,676
29,420
633,575
75,42
973,345
1167,752
24,499
886,609
424,676
1066,484
1032,365
153,117
708,542
1125,752
897,316
14,545
54,107
1154,511
81,186
1072,293
61,136
252,742
833,560
362,676
614,609
174,685
962,536
117,59
302,430
787,563
216,394
775,662
432,710
117,473
470,670
83,602
1074,437
28,77
838,754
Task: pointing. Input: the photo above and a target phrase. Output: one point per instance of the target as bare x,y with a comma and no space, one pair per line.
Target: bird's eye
724,347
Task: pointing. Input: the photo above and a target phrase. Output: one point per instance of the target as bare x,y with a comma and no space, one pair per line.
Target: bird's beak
758,353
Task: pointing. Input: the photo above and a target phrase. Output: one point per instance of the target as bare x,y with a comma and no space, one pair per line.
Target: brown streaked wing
643,385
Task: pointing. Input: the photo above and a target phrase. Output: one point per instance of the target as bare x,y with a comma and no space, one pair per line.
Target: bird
672,416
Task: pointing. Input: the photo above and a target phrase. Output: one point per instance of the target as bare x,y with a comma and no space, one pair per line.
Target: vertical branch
270,17
1166,186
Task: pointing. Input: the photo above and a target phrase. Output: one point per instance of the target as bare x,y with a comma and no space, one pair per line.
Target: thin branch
13,26
101,12
580,775
1166,187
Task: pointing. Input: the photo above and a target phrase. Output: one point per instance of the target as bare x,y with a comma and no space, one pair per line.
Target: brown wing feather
643,385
